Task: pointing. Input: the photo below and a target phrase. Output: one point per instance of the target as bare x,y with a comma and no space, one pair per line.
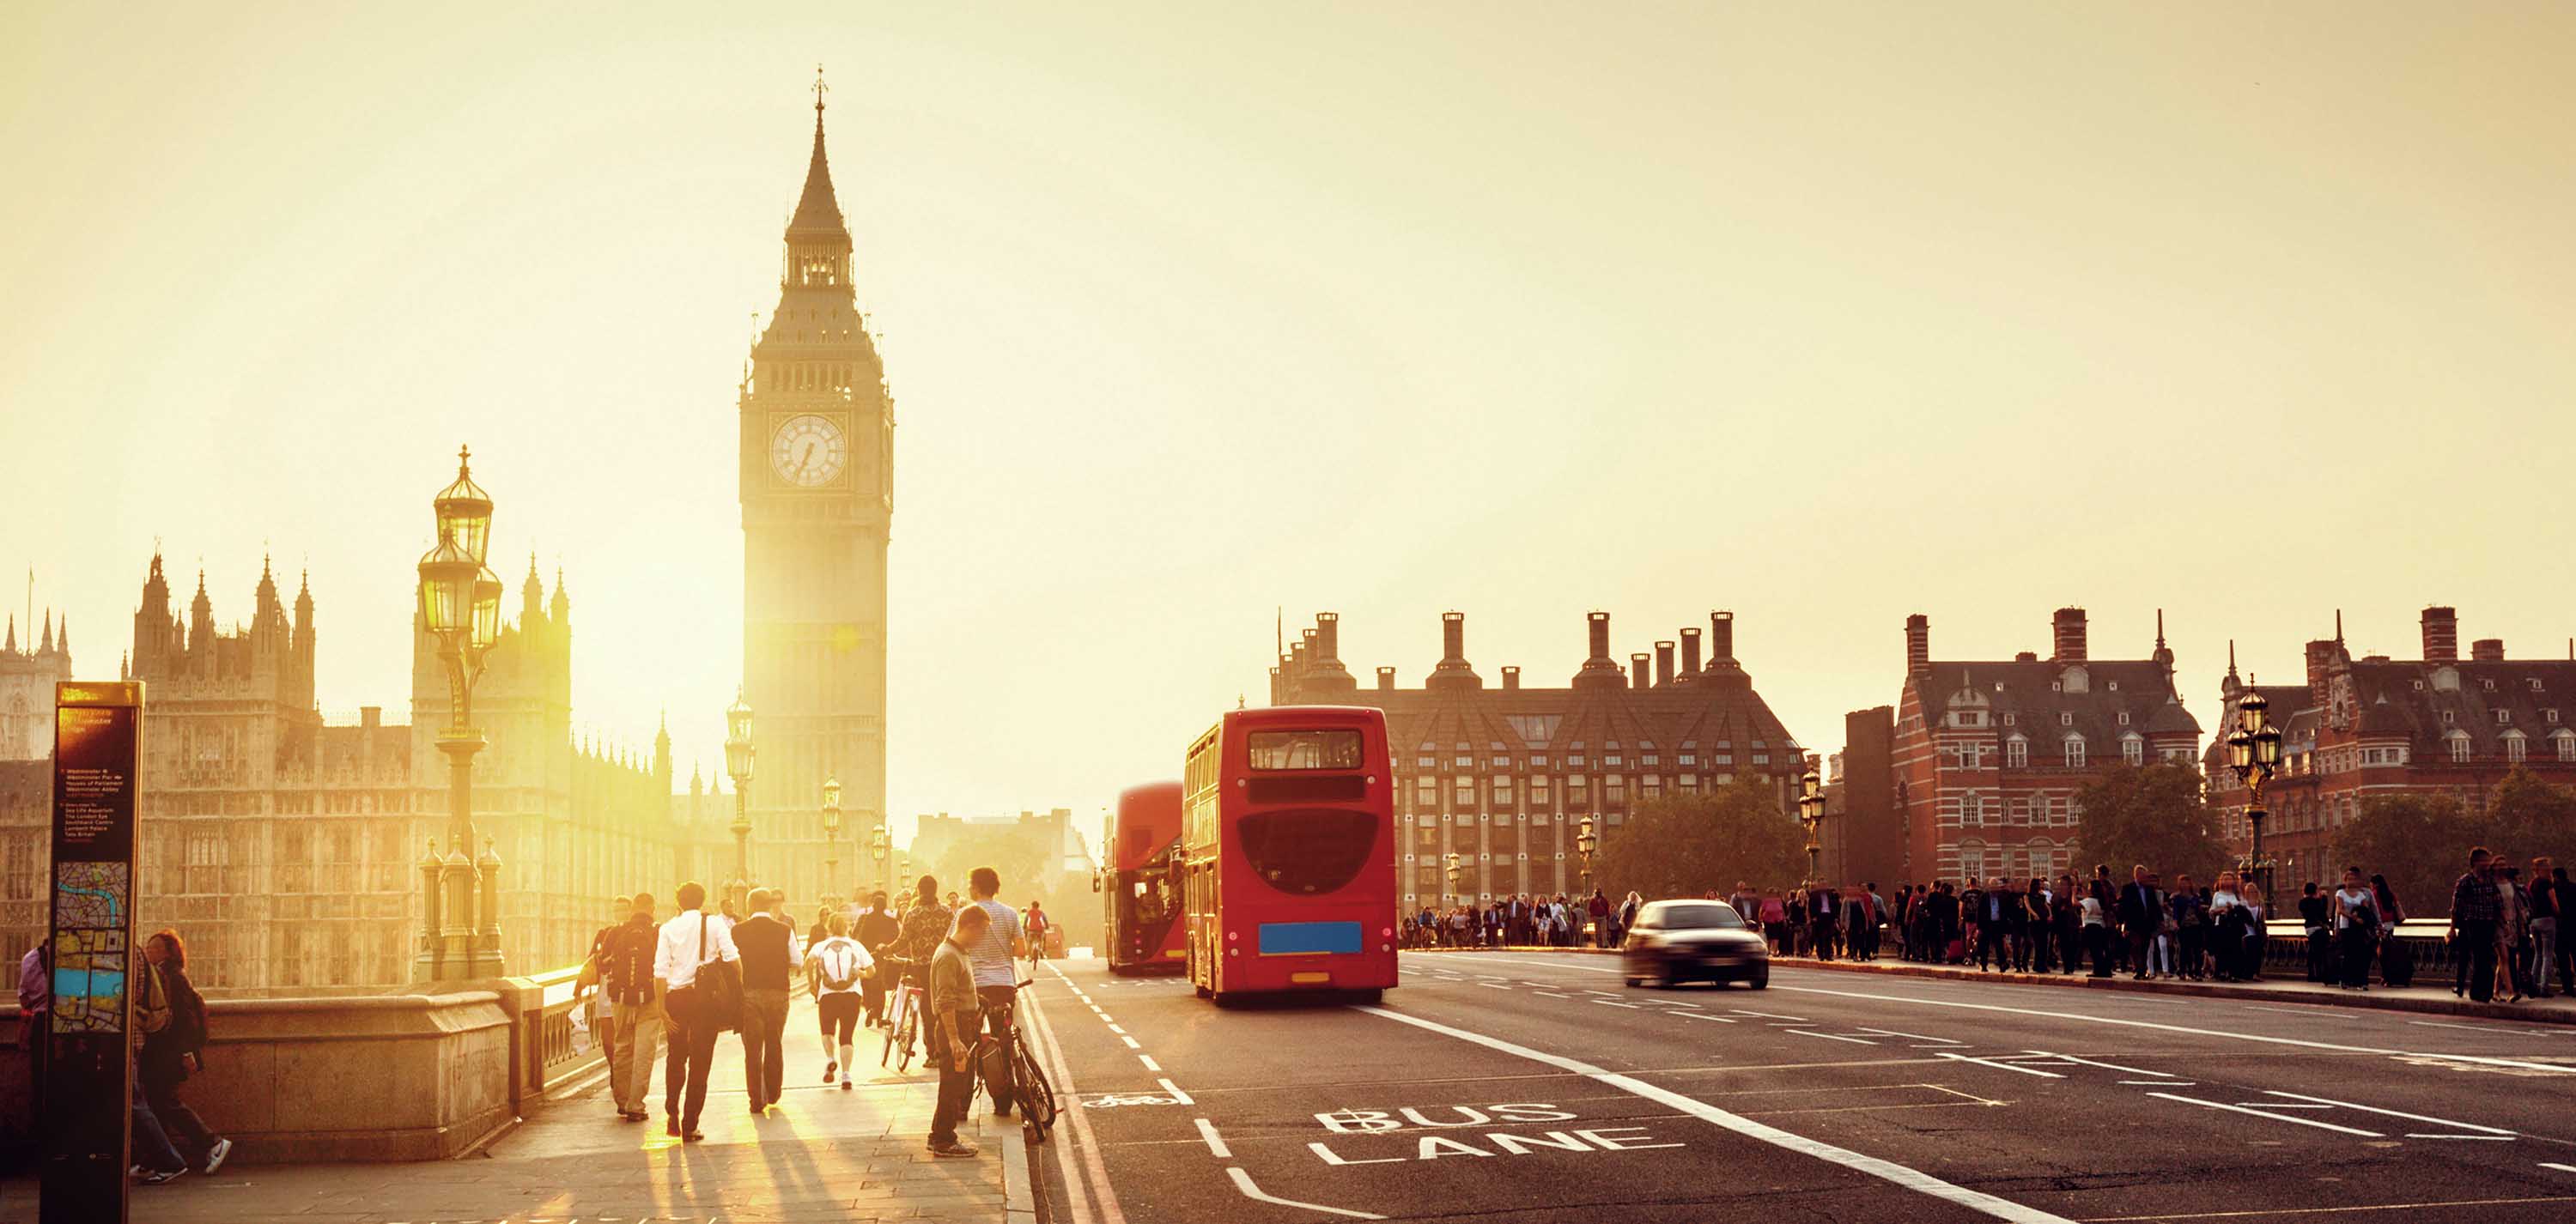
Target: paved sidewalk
2430,995
820,1154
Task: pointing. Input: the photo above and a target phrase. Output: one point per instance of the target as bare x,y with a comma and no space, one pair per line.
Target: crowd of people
667,988
2502,934
167,1043
1526,920
678,983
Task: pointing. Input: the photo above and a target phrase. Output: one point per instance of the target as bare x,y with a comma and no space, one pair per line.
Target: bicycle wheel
885,1056
1037,1096
904,1033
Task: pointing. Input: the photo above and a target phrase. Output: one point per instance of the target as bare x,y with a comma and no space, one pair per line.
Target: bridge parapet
377,1077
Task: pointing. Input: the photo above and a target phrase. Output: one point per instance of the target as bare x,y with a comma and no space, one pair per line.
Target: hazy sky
1822,313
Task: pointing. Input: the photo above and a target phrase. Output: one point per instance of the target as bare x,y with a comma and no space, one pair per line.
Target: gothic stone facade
1502,776
27,679
1988,755
2376,726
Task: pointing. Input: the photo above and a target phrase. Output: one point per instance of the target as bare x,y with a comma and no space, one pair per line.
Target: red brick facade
2376,726
1988,755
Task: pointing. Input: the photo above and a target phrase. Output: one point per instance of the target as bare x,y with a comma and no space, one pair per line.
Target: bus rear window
1282,750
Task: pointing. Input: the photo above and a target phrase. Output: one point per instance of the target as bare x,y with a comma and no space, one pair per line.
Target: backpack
626,964
836,983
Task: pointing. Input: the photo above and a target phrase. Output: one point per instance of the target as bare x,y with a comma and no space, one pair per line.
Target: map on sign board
89,947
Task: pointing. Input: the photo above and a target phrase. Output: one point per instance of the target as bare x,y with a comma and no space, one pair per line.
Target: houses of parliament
288,846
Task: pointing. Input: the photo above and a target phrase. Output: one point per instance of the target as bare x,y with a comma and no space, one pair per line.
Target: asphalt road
1536,1087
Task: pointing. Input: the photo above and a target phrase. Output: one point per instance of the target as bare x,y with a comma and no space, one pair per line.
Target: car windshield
1686,917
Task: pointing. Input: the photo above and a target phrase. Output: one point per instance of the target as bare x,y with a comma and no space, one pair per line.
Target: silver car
1680,941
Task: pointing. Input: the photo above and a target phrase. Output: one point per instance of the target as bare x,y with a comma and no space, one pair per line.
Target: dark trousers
2352,954
2097,940
187,1133
764,1060
956,1086
873,994
2320,955
152,1148
692,1055
2195,939
998,1018
1990,945
2140,938
2476,952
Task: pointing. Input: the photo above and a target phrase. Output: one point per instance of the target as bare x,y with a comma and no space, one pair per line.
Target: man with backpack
634,997
836,966
701,974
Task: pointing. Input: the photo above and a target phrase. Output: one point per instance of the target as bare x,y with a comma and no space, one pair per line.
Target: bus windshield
1283,750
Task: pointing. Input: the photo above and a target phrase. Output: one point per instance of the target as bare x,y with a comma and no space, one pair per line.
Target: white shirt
840,957
992,956
677,954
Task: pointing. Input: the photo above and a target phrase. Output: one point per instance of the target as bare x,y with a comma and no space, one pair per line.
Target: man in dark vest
769,958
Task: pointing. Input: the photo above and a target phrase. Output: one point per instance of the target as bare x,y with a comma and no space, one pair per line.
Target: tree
1686,845
2151,814
2420,842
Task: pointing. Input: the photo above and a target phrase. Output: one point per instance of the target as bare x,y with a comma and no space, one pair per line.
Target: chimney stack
2069,635
1690,652
1325,672
1453,671
1721,639
1663,664
2321,657
1511,679
1327,636
1638,662
1386,679
2487,650
2441,635
1918,645
1599,669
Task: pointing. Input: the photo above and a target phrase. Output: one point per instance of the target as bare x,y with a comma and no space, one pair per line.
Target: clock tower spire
816,442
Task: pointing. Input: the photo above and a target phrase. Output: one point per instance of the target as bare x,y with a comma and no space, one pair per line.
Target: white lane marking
1149,1062
1131,1042
2330,1103
1703,1016
2159,1083
1772,1016
1832,1036
1887,1170
2481,1060
1087,1179
2563,1168
1216,1144
1494,985
2265,1113
2000,1066
1178,1097
2484,1138
1243,1182
1120,1031
2489,1029
2105,1066
1617,1003
1917,1036
1549,994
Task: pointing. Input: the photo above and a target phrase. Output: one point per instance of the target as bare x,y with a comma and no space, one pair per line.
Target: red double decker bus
1140,882
1288,845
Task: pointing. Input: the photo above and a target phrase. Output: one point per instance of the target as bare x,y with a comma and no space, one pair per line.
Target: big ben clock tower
817,450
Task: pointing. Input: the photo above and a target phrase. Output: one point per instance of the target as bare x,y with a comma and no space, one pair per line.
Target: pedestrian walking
2228,920
2511,917
2396,957
694,945
590,1000
953,999
876,932
2190,926
2258,931
156,1161
634,994
995,981
2354,911
837,966
176,1052
35,1007
2097,934
1598,909
2313,912
770,954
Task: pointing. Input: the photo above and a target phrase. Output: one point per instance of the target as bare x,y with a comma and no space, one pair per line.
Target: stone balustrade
361,1077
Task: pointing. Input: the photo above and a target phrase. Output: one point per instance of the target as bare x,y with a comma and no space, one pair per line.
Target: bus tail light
1386,932
1386,947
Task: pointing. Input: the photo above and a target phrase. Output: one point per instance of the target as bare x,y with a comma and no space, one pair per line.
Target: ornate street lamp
877,851
738,756
1811,813
2254,753
460,606
832,841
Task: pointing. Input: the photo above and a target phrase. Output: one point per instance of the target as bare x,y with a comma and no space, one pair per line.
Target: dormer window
2075,752
2503,716
2008,718
2114,686
2017,753
2450,716
2514,745
2124,718
2566,741
2489,685
2065,718
2535,684
2133,751
2459,741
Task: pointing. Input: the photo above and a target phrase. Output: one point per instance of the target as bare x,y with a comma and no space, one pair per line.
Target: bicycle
1033,1092
903,1025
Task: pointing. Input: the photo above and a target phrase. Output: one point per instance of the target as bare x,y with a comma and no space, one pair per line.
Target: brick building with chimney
1986,757
2364,728
1502,776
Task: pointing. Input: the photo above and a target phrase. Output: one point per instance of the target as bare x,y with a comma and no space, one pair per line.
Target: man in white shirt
995,980
689,940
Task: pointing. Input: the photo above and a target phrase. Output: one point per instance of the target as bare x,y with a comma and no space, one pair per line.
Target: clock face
809,451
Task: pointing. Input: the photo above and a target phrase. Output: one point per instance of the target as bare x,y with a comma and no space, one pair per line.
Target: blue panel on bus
1290,938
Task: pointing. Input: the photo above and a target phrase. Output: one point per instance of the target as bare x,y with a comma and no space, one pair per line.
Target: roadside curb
1019,1199
2544,1014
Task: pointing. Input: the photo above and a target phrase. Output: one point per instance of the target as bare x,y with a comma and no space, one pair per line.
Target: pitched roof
818,211
2035,697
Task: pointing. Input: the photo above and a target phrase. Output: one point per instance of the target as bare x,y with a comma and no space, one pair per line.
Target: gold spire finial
819,90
